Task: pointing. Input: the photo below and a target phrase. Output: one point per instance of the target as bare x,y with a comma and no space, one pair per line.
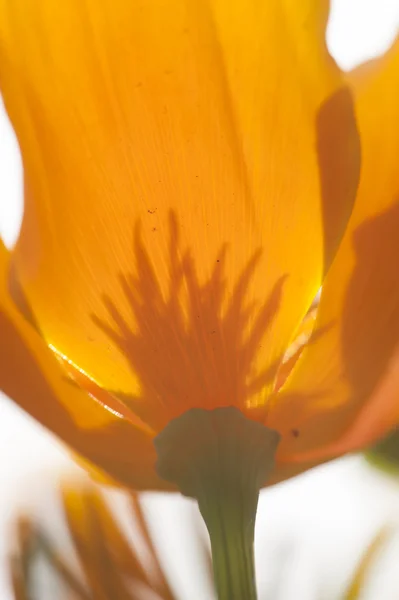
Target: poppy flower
191,180
108,565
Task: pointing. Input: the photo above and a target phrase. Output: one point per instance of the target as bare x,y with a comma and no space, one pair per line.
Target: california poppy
109,567
190,173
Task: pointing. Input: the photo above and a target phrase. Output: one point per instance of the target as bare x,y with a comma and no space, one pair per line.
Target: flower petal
296,347
32,376
158,140
344,393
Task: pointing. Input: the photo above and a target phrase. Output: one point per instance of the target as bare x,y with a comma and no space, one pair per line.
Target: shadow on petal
335,152
193,346
359,401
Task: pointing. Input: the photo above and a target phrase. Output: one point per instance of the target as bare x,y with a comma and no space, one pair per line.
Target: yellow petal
32,376
107,563
296,347
32,547
345,391
190,166
363,570
86,513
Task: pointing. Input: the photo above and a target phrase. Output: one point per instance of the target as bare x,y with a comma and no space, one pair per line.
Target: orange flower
190,169
109,565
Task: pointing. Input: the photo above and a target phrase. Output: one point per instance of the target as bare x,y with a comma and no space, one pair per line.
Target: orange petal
181,158
87,516
32,376
345,391
296,347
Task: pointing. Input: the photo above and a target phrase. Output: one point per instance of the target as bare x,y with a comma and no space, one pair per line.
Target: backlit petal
345,391
190,166
32,376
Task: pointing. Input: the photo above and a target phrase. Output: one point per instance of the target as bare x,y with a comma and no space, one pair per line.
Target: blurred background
312,532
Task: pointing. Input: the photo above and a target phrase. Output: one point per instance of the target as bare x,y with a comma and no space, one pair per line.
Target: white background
311,531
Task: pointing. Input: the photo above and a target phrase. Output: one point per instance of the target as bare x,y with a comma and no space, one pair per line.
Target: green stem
232,544
221,459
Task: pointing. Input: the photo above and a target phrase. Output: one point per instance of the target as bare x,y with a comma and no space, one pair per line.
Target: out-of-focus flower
190,169
109,566
359,579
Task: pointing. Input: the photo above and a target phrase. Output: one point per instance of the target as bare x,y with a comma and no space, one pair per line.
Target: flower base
222,459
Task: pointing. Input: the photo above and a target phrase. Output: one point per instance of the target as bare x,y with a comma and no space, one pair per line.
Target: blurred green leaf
385,454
